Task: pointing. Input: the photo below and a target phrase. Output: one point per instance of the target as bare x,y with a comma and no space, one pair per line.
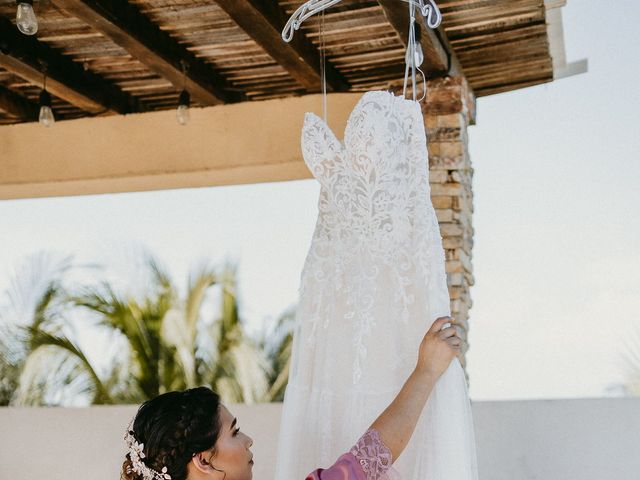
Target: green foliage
277,346
34,299
163,340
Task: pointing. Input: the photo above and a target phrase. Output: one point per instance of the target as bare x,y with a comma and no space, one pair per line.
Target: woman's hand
438,348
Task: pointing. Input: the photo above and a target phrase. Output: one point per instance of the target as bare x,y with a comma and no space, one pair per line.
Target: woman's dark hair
173,426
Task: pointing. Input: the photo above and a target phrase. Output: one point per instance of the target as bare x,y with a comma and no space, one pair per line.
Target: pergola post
448,111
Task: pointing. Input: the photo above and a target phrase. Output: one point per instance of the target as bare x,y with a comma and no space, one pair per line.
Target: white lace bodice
373,181
374,207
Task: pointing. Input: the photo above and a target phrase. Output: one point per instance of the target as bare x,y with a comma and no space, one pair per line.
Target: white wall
585,439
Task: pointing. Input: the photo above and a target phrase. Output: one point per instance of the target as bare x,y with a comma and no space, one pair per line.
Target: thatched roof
115,57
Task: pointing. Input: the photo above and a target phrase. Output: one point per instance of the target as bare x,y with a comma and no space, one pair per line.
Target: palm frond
33,285
277,346
36,296
41,338
50,377
199,283
251,371
175,333
137,322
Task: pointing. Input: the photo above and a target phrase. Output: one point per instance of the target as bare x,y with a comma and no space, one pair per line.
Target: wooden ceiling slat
486,56
500,88
386,54
517,64
503,38
263,20
17,106
490,9
65,78
493,24
123,23
499,45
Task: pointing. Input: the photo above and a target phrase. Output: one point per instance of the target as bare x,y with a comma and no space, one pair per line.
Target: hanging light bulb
26,18
184,99
46,117
183,108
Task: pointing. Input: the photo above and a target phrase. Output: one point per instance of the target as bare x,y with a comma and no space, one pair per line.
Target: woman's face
233,456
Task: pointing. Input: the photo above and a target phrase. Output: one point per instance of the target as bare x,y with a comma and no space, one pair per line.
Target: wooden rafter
126,26
17,106
439,57
263,20
27,57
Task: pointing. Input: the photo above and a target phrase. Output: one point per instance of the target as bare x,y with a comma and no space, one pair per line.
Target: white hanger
427,8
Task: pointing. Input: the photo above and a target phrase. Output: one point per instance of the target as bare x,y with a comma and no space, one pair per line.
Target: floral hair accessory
136,455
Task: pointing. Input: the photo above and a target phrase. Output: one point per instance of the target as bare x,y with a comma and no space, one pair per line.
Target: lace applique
374,215
373,455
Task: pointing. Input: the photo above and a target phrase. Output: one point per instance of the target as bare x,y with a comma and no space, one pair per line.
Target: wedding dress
372,284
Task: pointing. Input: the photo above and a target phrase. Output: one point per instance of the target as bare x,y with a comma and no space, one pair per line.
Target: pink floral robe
368,459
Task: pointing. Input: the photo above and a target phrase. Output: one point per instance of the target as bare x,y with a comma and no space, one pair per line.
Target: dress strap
413,57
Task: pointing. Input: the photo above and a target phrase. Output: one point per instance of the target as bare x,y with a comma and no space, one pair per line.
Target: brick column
448,110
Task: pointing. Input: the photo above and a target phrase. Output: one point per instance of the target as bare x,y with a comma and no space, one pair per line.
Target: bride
191,435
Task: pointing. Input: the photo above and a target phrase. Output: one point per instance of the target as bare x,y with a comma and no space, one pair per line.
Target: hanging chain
183,63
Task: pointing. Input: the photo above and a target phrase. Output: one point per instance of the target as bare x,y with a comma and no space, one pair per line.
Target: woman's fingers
450,335
433,356
439,323
454,341
447,332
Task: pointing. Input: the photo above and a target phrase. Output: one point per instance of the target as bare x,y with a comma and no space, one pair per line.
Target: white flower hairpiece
136,454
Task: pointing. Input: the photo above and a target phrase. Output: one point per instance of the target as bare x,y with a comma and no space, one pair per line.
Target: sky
556,258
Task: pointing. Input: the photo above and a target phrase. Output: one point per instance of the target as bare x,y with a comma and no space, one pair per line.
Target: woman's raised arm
396,423
371,457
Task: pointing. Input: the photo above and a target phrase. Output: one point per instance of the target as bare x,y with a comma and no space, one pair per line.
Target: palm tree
9,366
168,342
231,363
135,323
35,297
277,345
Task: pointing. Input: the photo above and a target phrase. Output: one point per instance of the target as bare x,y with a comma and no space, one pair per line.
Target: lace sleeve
368,459
374,456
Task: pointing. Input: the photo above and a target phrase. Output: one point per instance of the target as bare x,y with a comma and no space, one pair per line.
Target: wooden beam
126,26
439,57
66,79
150,151
17,106
263,21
